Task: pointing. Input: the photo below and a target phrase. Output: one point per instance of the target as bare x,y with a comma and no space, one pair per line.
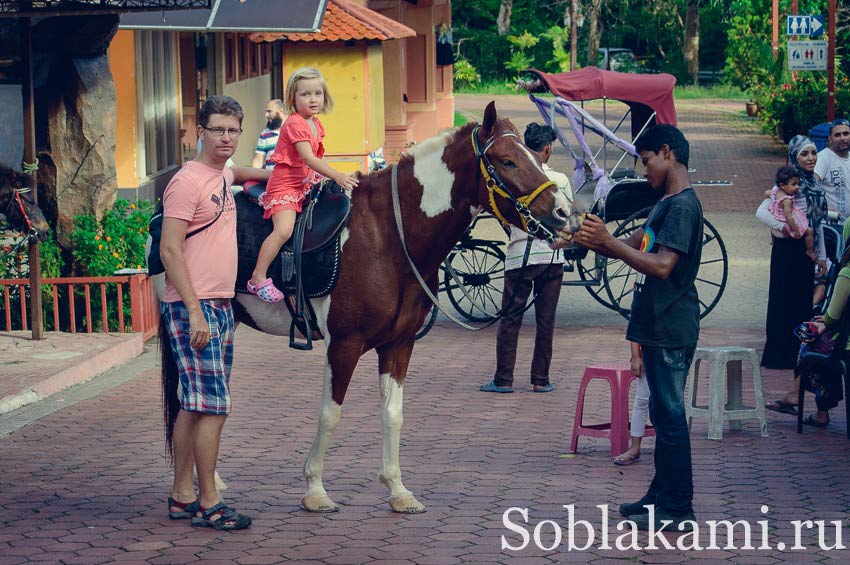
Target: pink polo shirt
196,194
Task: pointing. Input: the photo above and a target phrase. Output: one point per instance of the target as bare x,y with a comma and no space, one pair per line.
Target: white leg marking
392,417
316,499
434,176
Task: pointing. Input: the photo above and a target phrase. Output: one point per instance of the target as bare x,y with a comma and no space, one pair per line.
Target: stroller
835,245
822,366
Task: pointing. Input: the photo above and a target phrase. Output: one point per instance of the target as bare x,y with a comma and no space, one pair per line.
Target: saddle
308,265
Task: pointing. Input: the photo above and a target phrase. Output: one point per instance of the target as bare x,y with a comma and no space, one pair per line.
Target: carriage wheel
591,268
480,266
430,318
619,278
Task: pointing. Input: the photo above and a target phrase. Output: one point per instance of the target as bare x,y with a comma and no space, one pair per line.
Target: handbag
155,265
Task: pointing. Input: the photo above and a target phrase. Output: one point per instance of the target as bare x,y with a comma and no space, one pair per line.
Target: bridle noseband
495,186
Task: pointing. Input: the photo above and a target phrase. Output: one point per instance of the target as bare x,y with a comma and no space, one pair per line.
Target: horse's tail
170,379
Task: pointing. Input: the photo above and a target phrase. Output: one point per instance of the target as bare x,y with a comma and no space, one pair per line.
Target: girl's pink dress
291,178
777,197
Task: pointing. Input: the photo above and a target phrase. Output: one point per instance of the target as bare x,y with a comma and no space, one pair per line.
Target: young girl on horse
298,165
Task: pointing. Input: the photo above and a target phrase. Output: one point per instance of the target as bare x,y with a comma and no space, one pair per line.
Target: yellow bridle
495,186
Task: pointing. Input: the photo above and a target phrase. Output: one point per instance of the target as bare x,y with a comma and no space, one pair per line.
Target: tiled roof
345,20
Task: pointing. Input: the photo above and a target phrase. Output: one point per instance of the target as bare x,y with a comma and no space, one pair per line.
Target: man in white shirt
268,137
543,273
833,168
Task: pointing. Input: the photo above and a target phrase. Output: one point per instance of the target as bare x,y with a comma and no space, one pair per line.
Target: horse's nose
561,215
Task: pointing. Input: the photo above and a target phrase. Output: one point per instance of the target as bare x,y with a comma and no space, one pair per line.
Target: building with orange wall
378,57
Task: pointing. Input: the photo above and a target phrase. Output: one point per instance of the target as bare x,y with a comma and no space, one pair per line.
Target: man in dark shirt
665,317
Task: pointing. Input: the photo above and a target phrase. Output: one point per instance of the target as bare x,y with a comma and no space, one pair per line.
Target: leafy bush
114,242
465,75
14,264
793,107
520,59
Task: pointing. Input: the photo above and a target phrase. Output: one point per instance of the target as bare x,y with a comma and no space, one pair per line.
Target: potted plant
752,108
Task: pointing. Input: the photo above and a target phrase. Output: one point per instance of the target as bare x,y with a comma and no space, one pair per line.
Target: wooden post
573,35
36,313
775,42
830,63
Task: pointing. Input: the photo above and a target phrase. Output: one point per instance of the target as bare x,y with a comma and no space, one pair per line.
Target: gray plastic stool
725,378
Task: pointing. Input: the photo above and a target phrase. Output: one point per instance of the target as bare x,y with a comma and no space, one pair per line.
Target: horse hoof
319,503
219,483
406,504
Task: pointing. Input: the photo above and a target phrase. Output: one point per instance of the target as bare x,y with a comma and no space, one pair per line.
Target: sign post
830,84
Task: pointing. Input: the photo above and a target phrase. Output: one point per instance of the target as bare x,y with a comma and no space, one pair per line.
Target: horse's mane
420,150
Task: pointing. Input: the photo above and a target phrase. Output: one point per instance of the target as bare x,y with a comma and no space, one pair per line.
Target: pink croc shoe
266,291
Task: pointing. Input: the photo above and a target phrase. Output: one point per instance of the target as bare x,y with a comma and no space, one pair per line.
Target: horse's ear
489,120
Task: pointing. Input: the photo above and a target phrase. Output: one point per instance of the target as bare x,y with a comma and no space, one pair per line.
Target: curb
87,369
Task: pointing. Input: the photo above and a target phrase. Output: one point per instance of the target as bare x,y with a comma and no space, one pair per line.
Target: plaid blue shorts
205,373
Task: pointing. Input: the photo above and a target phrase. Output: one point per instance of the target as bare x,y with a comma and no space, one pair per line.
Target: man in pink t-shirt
197,319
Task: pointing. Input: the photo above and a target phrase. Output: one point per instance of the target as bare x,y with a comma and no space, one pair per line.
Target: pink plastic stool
619,378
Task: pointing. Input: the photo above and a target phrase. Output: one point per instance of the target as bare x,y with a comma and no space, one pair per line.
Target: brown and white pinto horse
377,303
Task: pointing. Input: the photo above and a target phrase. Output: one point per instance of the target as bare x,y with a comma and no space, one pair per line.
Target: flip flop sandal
626,462
266,291
228,518
810,421
493,387
543,388
781,407
187,509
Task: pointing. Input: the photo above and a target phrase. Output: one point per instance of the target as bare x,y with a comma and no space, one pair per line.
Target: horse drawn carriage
600,182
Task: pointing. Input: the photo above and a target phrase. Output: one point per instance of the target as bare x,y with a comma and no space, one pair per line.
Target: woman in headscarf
792,273
823,376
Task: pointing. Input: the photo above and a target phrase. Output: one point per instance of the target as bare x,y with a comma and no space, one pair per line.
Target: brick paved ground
87,484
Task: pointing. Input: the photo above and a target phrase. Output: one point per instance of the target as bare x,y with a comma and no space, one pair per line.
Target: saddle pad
330,213
321,268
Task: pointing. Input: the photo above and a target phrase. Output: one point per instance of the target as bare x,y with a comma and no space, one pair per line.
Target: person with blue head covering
792,272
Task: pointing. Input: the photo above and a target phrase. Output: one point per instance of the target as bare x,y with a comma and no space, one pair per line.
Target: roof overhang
17,9
235,16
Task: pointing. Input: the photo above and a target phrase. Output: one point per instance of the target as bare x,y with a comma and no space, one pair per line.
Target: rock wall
77,174
75,118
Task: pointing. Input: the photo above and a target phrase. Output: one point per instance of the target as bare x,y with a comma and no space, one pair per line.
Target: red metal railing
144,311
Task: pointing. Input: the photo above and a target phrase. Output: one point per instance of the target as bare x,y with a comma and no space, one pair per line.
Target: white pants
640,408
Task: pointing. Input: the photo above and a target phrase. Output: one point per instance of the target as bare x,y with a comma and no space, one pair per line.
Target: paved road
87,484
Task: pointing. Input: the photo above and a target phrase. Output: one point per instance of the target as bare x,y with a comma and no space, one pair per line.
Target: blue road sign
798,25
816,26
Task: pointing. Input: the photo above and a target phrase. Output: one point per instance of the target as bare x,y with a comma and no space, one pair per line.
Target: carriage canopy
644,94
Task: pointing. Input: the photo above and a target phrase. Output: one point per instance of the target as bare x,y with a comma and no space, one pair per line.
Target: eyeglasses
219,132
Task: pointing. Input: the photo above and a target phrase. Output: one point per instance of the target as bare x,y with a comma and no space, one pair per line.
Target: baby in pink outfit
783,209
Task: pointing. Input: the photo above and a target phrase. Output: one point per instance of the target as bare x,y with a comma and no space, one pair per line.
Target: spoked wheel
619,278
590,269
480,268
430,318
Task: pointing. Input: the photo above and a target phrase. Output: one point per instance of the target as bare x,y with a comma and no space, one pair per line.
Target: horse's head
514,186
18,208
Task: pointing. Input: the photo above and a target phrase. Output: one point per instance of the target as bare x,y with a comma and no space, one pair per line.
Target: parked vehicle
618,59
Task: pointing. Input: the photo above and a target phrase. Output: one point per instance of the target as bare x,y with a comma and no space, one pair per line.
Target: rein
495,186
504,192
32,233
